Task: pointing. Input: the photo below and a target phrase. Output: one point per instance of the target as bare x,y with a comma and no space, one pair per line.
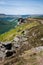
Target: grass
9,36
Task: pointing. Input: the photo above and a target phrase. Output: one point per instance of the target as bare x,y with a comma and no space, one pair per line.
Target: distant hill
37,16
2,15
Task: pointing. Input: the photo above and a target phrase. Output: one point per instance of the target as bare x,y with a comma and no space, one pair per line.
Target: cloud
21,7
2,2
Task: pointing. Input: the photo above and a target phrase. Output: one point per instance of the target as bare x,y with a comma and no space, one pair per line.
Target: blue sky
19,7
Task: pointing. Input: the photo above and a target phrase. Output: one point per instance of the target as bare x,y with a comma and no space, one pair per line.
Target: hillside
13,32
22,43
33,56
29,48
6,25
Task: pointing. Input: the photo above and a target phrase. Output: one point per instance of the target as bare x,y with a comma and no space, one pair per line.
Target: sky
21,7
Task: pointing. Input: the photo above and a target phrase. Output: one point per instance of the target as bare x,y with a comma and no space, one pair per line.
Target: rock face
8,46
9,53
6,50
21,21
